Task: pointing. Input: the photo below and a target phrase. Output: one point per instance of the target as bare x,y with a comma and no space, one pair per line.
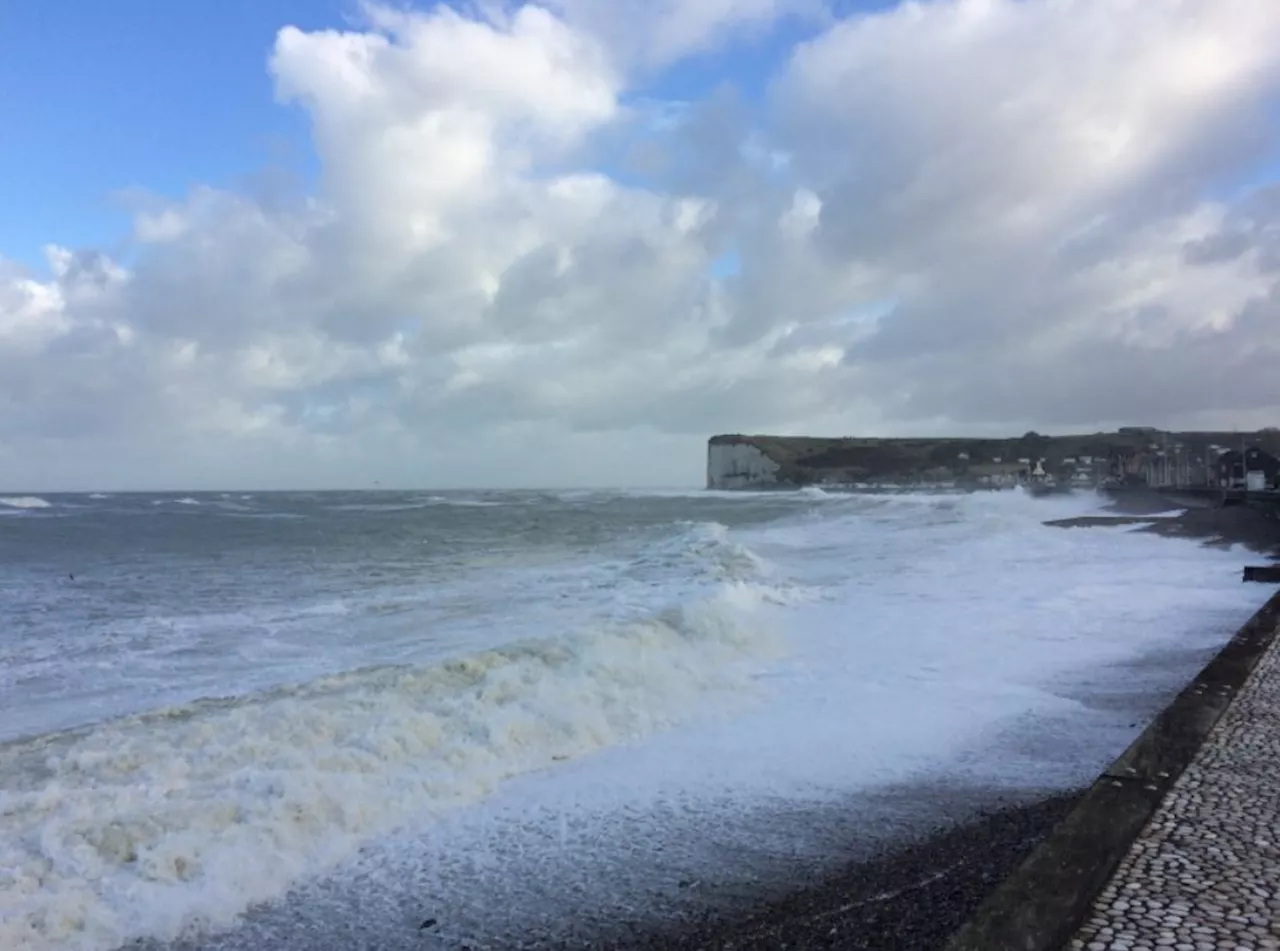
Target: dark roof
1253,454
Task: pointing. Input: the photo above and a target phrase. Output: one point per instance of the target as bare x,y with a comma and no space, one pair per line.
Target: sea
448,719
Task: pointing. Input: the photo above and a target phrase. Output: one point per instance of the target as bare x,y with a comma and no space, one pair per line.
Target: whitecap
24,502
150,825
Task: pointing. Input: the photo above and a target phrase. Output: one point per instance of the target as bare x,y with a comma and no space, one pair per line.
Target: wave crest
705,551
186,816
24,502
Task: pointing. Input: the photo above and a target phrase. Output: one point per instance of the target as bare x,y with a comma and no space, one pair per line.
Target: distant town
1132,455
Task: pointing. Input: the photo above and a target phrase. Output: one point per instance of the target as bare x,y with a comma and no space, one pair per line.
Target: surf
150,825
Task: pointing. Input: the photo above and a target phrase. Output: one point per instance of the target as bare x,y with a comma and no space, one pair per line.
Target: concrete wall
739,466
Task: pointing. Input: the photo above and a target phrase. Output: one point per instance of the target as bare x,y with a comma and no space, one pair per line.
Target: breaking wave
412,504
814,492
152,825
705,551
24,502
374,507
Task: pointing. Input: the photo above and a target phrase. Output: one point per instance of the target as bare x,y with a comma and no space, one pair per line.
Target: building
1233,468
1129,466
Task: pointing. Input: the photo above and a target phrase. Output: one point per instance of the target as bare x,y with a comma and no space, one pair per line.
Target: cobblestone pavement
1205,873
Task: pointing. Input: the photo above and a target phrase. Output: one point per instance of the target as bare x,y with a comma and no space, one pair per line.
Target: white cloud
1026,176
31,314
969,214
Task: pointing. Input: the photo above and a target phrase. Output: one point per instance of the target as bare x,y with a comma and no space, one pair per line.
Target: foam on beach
148,825
714,671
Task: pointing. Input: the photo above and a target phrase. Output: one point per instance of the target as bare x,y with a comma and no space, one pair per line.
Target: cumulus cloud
959,215
1039,186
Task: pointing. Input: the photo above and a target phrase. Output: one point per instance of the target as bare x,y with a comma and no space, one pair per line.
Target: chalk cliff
739,465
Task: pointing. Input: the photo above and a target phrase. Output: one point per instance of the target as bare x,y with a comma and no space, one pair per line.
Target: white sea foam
707,550
731,495
921,630
24,502
379,506
147,825
419,503
814,492
956,641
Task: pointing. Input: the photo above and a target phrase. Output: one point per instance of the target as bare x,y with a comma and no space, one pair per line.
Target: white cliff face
739,466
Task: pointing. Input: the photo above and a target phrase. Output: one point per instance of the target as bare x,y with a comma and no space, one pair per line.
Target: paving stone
1205,872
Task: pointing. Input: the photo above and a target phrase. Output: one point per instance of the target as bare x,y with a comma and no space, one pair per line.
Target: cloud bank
521,266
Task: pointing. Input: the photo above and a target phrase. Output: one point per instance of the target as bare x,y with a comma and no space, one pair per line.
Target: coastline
907,897
1148,511
915,895
892,894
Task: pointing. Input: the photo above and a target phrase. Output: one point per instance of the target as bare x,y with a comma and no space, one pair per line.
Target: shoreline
911,896
1147,511
916,895
905,894
1043,903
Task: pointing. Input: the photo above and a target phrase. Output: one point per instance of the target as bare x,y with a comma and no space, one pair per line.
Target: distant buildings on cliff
1252,468
1134,455
1079,471
1162,461
1179,466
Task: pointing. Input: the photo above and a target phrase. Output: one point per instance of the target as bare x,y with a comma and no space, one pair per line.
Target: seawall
1040,906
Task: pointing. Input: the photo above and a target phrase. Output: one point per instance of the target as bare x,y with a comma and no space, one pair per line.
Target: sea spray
148,825
394,689
24,502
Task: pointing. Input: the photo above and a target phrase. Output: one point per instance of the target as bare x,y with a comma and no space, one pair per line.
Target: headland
1130,455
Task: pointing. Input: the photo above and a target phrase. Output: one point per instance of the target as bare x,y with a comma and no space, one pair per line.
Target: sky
324,243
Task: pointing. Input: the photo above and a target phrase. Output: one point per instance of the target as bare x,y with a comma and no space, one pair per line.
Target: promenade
1177,844
1204,874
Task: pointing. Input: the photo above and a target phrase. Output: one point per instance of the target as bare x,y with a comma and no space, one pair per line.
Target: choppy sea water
355,711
